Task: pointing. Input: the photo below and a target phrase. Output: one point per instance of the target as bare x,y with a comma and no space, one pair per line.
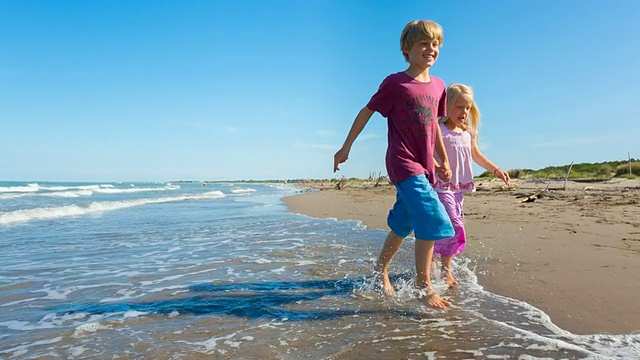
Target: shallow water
185,271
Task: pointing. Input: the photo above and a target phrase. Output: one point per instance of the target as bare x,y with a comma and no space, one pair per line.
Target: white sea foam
16,192
20,350
77,350
597,346
243,191
17,302
55,194
15,324
133,190
78,187
25,325
60,294
174,277
125,295
211,344
20,189
133,314
55,295
68,194
34,187
89,328
48,213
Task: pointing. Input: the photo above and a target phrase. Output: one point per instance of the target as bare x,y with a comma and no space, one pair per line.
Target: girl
460,134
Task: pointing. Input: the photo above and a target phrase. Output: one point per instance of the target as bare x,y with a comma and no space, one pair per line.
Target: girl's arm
483,161
358,124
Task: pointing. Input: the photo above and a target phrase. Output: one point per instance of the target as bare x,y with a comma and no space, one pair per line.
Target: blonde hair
419,30
454,91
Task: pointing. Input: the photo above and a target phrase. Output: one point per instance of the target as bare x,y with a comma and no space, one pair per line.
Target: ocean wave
17,192
242,191
49,213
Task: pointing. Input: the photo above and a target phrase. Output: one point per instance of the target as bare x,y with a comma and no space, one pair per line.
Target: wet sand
574,252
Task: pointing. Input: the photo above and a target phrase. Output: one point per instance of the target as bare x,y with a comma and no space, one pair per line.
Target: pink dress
451,193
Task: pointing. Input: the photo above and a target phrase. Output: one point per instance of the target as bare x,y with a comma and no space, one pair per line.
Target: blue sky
223,90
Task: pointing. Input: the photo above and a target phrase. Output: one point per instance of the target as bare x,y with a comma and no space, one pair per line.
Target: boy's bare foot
432,300
386,284
448,277
383,274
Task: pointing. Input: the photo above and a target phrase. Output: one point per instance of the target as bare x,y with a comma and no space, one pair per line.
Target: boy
411,101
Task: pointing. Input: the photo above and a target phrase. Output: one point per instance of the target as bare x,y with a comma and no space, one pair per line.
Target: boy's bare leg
446,268
391,245
424,255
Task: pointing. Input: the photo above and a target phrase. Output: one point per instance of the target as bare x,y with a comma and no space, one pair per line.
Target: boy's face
424,53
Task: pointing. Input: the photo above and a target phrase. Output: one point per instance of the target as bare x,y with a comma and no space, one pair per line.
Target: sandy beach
573,252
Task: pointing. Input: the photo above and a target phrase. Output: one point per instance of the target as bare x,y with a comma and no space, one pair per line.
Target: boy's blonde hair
454,91
419,30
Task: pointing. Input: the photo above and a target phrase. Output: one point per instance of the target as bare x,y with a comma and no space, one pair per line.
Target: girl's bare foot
432,300
448,277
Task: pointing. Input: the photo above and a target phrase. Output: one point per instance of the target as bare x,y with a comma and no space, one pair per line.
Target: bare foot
386,284
383,274
448,277
432,300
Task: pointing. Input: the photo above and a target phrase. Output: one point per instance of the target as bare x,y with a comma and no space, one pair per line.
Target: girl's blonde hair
419,30
454,91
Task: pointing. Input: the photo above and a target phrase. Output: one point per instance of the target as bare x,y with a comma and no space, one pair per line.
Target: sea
190,270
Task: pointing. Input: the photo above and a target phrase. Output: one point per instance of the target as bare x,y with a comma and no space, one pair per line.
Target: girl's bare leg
391,245
424,255
446,269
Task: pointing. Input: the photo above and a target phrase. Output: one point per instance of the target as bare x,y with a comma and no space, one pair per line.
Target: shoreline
573,253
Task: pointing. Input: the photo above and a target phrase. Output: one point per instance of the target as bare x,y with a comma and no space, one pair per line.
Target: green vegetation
603,170
583,171
591,171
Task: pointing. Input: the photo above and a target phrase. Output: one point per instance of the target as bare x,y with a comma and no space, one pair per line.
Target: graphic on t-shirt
424,113
420,113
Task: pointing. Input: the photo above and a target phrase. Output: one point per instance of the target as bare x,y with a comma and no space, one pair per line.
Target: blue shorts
418,209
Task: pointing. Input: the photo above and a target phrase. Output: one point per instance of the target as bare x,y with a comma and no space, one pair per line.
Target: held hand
341,156
503,175
444,173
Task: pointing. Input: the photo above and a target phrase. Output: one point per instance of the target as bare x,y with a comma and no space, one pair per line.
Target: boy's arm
483,161
442,161
358,124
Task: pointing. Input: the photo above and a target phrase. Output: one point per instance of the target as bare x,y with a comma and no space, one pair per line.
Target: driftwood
564,187
528,197
591,180
379,179
531,197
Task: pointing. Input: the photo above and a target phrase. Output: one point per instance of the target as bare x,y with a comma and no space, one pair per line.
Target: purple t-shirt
412,109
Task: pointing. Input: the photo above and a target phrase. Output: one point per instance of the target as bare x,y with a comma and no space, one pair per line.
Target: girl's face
460,111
